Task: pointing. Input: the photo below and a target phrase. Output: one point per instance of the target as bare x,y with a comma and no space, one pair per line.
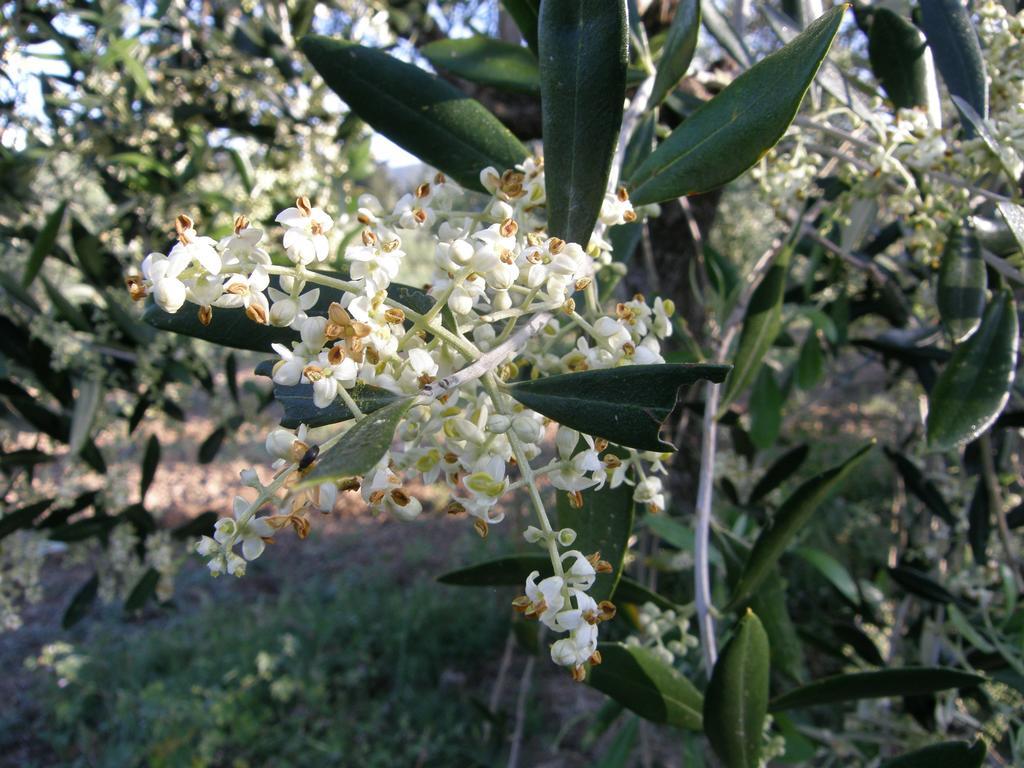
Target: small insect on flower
309,458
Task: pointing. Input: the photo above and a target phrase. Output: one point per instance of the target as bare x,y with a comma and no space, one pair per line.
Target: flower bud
279,444
534,535
461,252
566,440
498,424
169,294
526,428
283,313
502,301
566,537
206,546
250,478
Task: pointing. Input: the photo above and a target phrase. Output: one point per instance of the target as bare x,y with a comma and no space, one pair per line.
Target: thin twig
499,682
524,690
995,498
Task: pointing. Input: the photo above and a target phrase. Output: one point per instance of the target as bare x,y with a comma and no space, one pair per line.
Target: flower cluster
501,300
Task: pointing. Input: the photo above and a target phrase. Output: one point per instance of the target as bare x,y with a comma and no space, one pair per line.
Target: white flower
649,491
247,292
375,264
286,311
162,273
305,238
546,598
581,574
227,531
242,247
193,248
575,650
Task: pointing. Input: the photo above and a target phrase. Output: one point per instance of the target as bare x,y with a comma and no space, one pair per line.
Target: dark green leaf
603,524
228,328
87,404
678,50
418,111
1013,214
761,324
979,522
769,604
766,400
200,525
921,486
639,148
908,681
900,60
975,385
525,13
231,375
640,681
486,61
299,408
150,459
620,751
583,56
43,244
810,365
780,470
23,517
625,405
736,700
727,135
832,570
951,754
960,294
81,602
791,516
362,447
209,448
64,309
957,51
144,589
918,583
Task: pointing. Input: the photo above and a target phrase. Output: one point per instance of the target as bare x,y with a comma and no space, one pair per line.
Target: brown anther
426,379
421,218
600,444
481,528
439,178
508,228
611,461
349,484
628,349
182,225
240,223
607,610
316,228
512,183
639,297
257,314
369,237
535,257
371,355
377,497
313,372
454,508
336,354
583,283
536,609
355,349
595,658
362,218
629,217
555,245
578,364
394,315
575,499
603,566
506,257
206,315
579,674
389,245
302,203
238,289
623,312
300,525
521,604
135,287
450,458
423,190
570,306
400,497
622,194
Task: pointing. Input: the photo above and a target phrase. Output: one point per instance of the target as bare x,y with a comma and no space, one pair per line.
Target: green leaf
81,602
299,408
525,13
365,444
43,244
640,681
736,700
228,328
210,447
766,400
960,293
22,517
951,754
832,570
418,111
957,51
620,751
1013,214
150,459
625,405
974,387
583,56
678,50
792,516
144,589
603,524
779,471
83,415
201,525
486,61
901,61
727,135
810,365
921,486
979,522
722,31
918,583
761,324
769,604
64,309
908,681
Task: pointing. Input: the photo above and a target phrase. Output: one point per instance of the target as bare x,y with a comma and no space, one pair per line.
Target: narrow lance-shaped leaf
951,754
957,51
736,701
766,401
779,471
603,523
908,681
974,387
525,13
792,515
486,61
639,680
625,405
583,56
43,244
87,404
81,602
761,325
418,111
921,486
833,571
963,280
727,135
150,460
1013,214
361,447
678,50
902,62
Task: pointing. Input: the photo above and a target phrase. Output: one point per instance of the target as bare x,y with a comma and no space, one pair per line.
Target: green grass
353,671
